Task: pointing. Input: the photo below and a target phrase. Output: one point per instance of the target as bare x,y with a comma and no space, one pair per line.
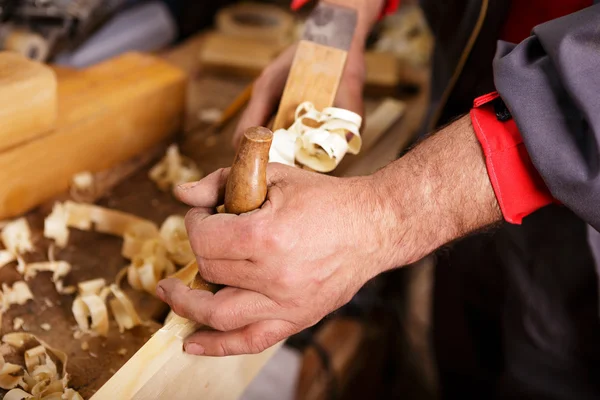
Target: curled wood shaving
10,375
40,378
174,235
17,394
18,294
16,237
123,310
317,139
59,270
18,323
174,169
82,185
149,267
93,286
55,225
6,257
103,220
134,238
91,307
87,217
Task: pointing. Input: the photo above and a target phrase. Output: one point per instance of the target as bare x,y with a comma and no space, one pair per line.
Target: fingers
236,273
224,236
251,339
228,309
206,193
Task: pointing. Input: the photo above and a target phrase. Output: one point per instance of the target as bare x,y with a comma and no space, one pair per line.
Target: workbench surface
94,255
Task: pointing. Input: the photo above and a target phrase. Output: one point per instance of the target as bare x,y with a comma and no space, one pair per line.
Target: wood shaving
85,346
91,314
55,225
122,352
16,237
18,323
10,375
59,270
40,378
46,327
93,286
173,170
318,140
174,235
18,294
149,267
87,217
123,310
134,238
6,257
82,186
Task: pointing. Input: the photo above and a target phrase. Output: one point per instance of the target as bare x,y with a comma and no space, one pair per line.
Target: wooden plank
27,100
106,122
315,74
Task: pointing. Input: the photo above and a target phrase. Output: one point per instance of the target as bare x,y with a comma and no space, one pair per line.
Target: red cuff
390,6
519,188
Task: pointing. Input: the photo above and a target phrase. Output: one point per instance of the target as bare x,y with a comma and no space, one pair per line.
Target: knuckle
216,318
177,306
205,270
277,238
257,342
224,349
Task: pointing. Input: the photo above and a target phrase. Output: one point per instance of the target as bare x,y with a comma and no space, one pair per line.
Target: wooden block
315,75
240,56
27,99
104,122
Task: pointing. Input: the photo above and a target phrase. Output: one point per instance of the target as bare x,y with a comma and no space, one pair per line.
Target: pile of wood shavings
318,140
154,253
41,378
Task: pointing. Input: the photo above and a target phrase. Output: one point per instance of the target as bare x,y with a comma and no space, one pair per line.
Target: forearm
438,192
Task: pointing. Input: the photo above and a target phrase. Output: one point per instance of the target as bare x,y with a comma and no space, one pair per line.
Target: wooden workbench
95,255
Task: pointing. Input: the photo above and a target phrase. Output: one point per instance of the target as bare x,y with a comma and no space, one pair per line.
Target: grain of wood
28,100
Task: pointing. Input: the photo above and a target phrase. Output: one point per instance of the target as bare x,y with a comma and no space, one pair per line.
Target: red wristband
390,6
519,188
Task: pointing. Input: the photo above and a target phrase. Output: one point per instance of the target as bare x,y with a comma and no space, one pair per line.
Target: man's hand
268,88
305,253
318,239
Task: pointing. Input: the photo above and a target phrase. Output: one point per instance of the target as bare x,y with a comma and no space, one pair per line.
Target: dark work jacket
551,85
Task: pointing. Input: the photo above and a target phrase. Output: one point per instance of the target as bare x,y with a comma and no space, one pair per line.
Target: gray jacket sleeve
551,85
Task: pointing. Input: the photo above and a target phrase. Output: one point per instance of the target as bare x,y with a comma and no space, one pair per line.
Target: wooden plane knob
246,188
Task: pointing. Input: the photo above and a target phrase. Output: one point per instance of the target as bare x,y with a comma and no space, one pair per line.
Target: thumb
205,193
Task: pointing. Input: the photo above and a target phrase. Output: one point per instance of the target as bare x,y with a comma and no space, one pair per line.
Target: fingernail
160,292
194,348
187,186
